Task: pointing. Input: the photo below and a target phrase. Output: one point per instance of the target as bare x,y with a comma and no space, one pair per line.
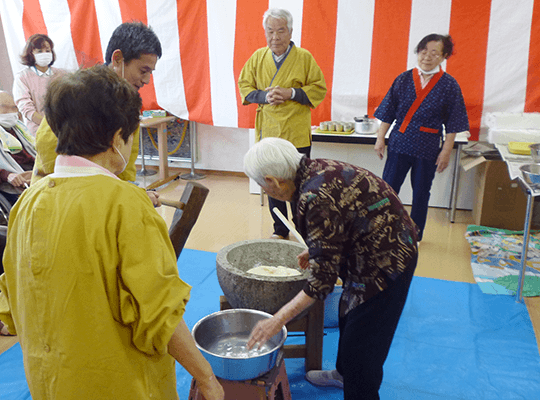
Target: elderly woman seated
91,284
18,150
355,228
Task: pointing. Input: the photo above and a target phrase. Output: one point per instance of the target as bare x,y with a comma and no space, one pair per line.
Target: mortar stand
274,385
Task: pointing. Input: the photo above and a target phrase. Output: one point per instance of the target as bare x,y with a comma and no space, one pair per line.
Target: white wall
221,149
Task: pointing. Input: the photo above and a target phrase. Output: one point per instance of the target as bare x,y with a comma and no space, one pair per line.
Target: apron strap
421,94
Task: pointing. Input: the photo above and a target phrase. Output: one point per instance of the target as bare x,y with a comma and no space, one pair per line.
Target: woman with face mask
423,102
30,84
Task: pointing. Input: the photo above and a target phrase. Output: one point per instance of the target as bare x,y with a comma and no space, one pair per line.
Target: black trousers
365,336
279,226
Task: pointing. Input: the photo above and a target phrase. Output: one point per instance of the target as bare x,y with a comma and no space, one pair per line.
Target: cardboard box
498,201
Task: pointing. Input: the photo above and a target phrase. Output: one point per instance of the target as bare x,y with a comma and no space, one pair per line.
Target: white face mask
123,159
43,59
433,71
9,120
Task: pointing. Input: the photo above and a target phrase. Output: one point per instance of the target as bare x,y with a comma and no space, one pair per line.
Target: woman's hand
20,180
263,331
183,348
211,389
303,259
154,197
37,118
380,144
267,328
443,160
444,156
379,147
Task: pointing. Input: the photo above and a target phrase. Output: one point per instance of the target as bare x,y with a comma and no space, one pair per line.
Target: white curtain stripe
221,35
11,13
507,60
109,17
427,16
57,19
168,78
352,59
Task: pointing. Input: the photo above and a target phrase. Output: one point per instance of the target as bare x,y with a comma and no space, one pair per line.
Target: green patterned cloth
496,260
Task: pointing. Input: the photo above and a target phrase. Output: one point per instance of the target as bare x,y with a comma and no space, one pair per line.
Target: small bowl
531,173
535,152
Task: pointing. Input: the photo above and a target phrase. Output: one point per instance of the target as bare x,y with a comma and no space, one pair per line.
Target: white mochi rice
279,271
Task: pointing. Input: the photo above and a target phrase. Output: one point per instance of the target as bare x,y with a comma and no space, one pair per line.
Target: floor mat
496,260
453,342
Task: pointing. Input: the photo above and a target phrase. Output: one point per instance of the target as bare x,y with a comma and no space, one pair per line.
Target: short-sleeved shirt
355,227
444,105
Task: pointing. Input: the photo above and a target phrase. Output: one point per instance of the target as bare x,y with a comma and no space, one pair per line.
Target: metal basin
264,293
535,152
531,173
222,337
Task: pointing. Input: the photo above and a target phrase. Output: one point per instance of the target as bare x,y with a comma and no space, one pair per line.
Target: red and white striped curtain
361,46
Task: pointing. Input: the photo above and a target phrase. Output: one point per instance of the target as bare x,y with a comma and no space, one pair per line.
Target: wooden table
161,124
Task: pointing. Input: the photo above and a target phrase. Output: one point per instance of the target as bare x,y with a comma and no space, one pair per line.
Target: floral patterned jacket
355,227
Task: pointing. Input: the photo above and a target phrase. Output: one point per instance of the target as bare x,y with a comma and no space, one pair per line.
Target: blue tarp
453,342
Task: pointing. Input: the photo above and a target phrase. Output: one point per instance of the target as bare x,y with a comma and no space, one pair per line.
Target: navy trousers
365,336
279,226
422,174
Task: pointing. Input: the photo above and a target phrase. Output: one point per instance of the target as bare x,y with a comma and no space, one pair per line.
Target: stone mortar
264,293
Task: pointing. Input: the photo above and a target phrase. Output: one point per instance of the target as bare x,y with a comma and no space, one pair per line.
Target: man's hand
278,95
20,180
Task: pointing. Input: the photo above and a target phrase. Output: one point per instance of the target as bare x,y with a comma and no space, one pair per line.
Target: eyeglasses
433,54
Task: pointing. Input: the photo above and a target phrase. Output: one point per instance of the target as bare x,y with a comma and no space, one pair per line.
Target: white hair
278,14
272,157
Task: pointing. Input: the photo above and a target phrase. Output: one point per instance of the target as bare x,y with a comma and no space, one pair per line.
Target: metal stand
455,184
143,171
525,248
192,175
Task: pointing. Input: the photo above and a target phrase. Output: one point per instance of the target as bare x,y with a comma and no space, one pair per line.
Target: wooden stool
273,385
312,324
